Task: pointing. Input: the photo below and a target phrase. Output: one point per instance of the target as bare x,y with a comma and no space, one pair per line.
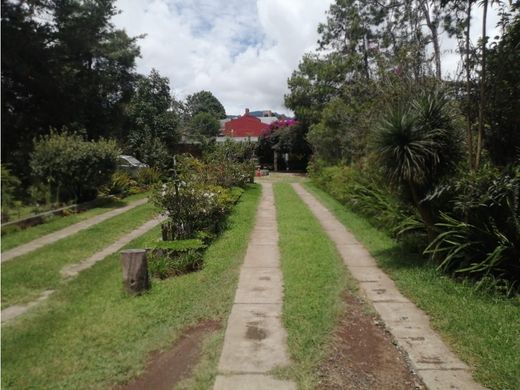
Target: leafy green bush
73,167
147,177
481,236
10,186
224,173
192,207
173,258
231,164
120,185
163,266
361,192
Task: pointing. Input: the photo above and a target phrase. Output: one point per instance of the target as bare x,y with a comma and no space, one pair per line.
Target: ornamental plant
191,208
73,167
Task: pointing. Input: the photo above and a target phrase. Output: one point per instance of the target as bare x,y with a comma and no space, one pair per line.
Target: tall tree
204,125
317,80
153,122
28,81
63,64
502,138
432,15
205,101
347,32
482,101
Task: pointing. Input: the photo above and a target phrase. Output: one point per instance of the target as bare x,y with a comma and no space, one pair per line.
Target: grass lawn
25,277
282,177
483,329
13,238
314,279
89,335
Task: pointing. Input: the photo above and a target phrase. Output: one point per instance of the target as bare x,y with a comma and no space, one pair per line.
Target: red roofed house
244,128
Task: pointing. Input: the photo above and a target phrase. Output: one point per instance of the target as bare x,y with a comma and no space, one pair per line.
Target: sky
243,51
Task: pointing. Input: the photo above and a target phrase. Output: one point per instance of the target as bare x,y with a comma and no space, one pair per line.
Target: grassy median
314,279
90,335
483,329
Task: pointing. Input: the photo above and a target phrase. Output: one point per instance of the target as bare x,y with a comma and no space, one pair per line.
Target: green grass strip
483,329
12,239
314,278
90,335
25,277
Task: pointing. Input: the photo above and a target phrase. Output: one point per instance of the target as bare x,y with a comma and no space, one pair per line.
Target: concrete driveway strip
255,341
438,367
68,231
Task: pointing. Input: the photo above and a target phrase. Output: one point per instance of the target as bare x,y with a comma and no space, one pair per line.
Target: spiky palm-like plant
418,145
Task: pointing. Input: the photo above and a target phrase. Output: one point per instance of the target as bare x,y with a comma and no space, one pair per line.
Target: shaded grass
13,238
314,279
25,277
483,329
89,335
282,177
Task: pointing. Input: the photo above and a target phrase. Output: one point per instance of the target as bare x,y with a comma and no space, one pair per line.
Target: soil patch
167,368
364,356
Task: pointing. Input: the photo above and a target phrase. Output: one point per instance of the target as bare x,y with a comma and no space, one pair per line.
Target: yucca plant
416,146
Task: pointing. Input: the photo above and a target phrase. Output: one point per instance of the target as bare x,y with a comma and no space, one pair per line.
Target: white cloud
241,50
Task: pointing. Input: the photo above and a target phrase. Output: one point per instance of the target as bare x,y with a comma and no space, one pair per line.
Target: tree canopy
71,68
204,101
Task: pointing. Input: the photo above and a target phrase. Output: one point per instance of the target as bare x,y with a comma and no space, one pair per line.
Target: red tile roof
245,126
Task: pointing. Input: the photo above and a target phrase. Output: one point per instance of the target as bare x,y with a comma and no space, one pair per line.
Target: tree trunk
482,88
432,26
135,271
468,89
424,212
365,56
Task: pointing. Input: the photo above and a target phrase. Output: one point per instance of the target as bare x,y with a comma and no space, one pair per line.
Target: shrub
10,186
192,207
40,193
147,177
362,192
120,185
73,167
481,236
223,173
163,266
173,258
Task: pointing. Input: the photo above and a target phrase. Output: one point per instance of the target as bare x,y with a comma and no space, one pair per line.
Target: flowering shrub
225,173
192,207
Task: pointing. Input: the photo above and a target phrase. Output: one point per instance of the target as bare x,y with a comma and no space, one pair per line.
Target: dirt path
167,368
68,231
363,355
436,365
73,270
255,341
